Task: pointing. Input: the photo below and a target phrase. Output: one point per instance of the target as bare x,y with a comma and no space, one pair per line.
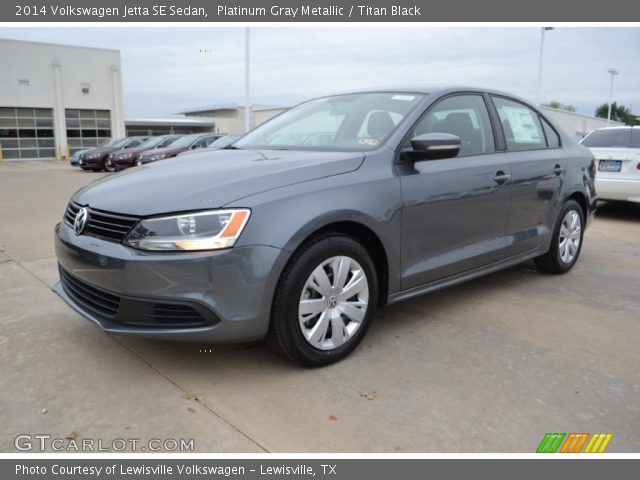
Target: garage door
26,133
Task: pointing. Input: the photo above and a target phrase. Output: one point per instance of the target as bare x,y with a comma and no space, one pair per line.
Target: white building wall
76,67
576,124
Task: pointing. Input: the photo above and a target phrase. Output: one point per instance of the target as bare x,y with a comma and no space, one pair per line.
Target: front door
454,211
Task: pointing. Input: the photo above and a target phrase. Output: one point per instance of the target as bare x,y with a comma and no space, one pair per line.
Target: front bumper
618,189
226,295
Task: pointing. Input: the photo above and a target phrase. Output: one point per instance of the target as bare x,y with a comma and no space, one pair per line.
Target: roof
177,120
232,106
48,44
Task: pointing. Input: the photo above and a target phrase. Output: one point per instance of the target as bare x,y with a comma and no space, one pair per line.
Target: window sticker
404,98
522,124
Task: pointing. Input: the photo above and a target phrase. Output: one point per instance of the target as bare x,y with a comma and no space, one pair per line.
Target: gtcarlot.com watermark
42,442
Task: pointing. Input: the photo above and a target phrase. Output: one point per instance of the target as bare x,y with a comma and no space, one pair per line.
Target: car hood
99,151
210,180
166,150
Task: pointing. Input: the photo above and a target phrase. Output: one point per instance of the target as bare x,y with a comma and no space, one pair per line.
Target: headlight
123,156
210,230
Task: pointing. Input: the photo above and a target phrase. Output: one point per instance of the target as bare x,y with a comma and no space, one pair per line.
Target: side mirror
433,146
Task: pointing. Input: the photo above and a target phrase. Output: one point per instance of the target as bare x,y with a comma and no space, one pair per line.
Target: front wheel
324,301
566,242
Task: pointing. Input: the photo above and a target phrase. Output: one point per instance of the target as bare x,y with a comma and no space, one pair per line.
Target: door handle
501,178
558,169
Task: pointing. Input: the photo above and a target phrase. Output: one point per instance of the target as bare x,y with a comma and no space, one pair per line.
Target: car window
635,138
203,142
520,124
553,139
134,143
361,121
166,142
465,116
609,138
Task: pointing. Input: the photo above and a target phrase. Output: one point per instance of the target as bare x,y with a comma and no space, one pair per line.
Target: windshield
224,141
613,138
114,142
360,121
152,142
185,141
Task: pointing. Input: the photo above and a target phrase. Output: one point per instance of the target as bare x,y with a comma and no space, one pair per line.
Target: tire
293,332
109,168
561,257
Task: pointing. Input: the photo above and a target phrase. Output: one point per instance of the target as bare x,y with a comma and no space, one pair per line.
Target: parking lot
488,366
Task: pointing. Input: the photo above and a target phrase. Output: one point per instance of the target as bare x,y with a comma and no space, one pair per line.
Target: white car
617,153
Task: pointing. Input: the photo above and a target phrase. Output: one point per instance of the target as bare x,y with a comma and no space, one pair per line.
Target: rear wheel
325,301
566,242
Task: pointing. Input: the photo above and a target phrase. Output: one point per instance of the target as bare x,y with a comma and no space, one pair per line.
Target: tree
619,113
560,106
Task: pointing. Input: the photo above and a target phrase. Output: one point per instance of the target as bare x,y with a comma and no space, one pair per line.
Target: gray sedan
303,227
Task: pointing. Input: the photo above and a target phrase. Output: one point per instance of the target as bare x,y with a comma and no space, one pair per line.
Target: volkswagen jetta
303,227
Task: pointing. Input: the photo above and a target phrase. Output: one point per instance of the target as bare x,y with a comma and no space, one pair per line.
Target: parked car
75,158
617,150
125,157
300,241
96,159
222,142
188,142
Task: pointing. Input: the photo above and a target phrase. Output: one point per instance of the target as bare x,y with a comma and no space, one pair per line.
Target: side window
134,143
465,116
203,142
521,125
553,140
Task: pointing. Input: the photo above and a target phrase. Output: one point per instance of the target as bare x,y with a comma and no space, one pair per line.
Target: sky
169,70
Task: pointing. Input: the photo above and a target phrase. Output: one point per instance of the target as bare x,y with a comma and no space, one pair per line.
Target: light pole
247,92
613,73
542,30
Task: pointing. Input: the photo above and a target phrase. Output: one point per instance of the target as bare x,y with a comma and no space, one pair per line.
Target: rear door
454,211
538,167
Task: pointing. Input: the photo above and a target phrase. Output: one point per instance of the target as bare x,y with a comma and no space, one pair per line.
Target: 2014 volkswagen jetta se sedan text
307,224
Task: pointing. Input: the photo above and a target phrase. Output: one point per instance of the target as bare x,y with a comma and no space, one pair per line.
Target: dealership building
58,99
55,99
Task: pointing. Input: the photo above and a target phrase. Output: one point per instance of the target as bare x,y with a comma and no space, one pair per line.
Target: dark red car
126,157
96,159
188,142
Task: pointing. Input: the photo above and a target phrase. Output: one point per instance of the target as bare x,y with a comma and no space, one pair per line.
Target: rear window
613,138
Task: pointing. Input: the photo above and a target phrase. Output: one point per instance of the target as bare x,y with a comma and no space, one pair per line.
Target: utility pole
542,30
247,91
613,73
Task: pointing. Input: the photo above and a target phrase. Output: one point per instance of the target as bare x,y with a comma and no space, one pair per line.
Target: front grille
105,225
93,299
131,311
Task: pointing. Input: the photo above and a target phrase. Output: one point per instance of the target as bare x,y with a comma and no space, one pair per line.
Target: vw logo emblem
81,220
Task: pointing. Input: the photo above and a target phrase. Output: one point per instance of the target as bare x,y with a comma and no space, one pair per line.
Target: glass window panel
28,143
89,142
47,153
10,154
88,133
44,113
103,114
7,112
75,142
44,122
8,133
45,133
9,143
72,113
104,133
7,122
73,133
73,123
29,153
103,123
45,142
26,122
27,133
88,114
85,124
25,112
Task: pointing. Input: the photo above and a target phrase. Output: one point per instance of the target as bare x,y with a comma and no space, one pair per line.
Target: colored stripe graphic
574,443
598,443
550,442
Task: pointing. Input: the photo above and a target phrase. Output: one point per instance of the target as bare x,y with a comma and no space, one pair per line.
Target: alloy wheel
570,236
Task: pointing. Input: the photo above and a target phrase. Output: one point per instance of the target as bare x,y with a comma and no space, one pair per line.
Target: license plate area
609,165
